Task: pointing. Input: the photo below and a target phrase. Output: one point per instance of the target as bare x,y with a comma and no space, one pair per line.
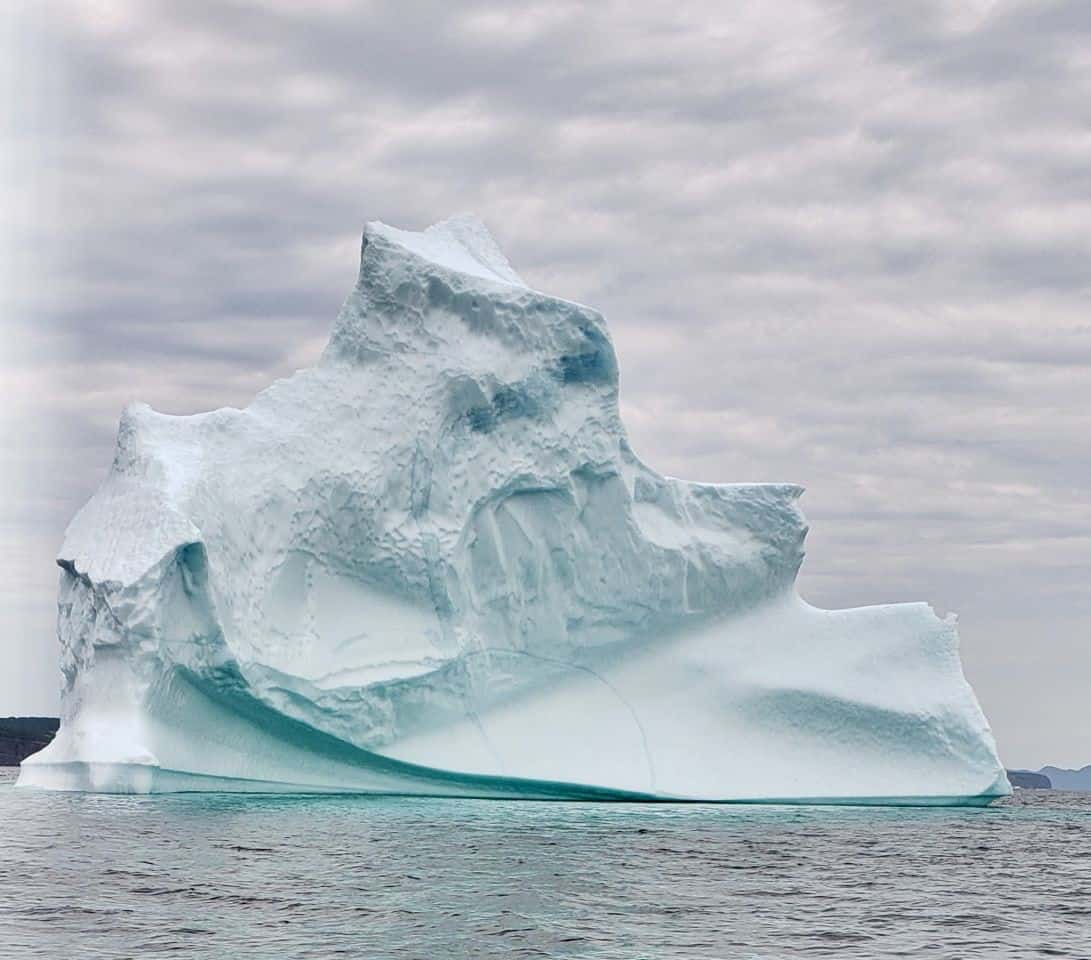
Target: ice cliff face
433,565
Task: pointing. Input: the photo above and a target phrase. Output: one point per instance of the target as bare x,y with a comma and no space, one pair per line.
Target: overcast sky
841,243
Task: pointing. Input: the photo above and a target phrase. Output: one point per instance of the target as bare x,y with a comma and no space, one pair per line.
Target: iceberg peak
460,244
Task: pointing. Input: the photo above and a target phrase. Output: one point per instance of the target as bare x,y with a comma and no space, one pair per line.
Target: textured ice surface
432,564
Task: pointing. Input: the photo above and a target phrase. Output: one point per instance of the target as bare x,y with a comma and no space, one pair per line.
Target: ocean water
226,876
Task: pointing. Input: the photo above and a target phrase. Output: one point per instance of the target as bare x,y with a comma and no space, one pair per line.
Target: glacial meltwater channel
216,875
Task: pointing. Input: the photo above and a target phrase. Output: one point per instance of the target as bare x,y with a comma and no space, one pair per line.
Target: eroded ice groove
432,565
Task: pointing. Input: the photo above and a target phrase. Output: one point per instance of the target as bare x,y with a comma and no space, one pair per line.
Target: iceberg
433,565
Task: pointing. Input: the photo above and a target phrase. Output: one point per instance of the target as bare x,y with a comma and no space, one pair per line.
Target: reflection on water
231,875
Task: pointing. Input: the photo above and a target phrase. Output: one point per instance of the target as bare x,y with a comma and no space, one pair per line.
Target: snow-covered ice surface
433,565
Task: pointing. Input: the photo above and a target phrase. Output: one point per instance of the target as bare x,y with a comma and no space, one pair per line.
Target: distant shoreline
22,736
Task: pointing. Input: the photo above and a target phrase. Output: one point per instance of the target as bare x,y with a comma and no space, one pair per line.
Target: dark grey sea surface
225,876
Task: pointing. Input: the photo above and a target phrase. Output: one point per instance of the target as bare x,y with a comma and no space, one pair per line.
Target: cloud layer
840,243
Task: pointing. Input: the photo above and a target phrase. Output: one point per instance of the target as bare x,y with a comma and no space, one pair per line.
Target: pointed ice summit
433,565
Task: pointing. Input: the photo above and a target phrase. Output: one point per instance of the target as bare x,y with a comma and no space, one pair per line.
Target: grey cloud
837,244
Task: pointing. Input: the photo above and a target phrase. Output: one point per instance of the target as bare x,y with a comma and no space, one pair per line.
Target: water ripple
324,877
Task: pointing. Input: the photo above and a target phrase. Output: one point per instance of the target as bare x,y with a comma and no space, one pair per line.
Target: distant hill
1027,780
1063,779
22,736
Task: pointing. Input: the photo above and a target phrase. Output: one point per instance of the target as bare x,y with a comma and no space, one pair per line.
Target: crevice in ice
583,668
486,740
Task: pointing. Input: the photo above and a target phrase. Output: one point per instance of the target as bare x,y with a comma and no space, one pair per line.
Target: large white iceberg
433,565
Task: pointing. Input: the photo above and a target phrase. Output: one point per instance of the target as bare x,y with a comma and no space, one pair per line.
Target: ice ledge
139,778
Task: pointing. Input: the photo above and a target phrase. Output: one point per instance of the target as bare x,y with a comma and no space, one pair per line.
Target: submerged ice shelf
433,565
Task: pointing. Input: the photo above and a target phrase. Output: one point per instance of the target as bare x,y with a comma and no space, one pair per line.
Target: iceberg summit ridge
433,565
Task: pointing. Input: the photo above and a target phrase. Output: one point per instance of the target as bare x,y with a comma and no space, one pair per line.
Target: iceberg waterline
433,565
